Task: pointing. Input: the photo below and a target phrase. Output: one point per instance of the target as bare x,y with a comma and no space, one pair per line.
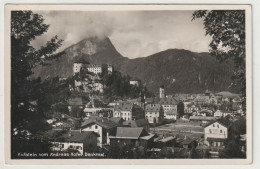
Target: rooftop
168,101
124,106
153,107
130,132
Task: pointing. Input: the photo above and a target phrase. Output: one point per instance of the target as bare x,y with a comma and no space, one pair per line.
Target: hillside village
161,126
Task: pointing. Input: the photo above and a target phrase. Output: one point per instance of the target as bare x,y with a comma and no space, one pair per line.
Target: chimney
80,130
70,134
185,137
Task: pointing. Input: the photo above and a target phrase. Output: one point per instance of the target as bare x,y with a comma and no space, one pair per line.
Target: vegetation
30,99
227,29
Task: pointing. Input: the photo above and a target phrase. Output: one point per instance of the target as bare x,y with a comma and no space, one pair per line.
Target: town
162,125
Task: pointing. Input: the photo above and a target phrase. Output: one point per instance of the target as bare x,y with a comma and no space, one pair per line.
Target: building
218,114
171,115
137,123
216,132
71,140
168,104
109,68
154,113
102,126
78,64
94,68
135,82
133,136
161,92
128,111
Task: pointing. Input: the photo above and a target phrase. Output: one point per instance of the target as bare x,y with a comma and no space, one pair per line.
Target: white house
103,127
154,113
215,133
218,114
168,104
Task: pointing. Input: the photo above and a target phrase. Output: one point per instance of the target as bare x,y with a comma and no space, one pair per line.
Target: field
180,128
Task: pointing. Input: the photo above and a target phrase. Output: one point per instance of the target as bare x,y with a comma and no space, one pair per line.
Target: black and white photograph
119,82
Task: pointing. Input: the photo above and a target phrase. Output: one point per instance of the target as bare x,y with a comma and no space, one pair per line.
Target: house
128,111
171,114
137,123
191,109
102,126
218,114
154,113
168,104
71,140
216,132
134,136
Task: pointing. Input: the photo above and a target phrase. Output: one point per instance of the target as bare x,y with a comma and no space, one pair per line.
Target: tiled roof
153,107
221,121
129,132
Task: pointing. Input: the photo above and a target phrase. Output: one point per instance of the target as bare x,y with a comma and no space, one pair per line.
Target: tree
227,29
180,109
25,27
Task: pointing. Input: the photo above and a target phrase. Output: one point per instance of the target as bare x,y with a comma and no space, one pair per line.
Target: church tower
162,92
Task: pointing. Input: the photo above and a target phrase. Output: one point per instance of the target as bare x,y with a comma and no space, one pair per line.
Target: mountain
180,71
95,50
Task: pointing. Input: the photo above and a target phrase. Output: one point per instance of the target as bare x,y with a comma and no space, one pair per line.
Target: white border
185,160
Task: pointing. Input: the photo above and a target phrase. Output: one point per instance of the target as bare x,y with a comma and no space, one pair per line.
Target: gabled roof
129,132
76,136
153,107
221,121
103,122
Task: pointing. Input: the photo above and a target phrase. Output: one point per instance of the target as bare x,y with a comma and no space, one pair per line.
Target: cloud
134,34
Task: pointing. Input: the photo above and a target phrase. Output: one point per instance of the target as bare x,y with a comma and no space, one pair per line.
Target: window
210,131
213,125
217,126
96,127
220,131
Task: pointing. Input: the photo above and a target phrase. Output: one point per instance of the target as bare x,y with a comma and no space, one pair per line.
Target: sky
133,33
